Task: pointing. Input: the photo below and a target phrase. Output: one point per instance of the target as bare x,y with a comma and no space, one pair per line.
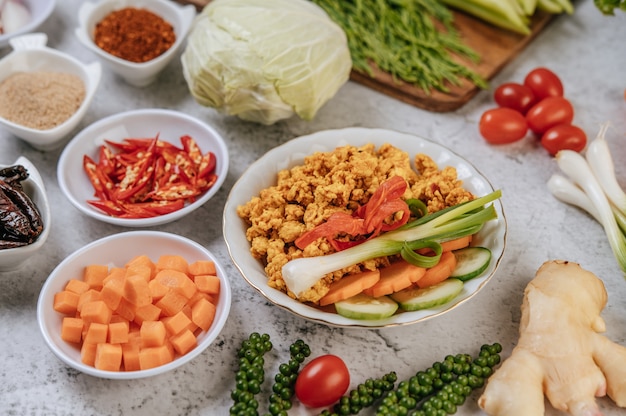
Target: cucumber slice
362,306
414,298
471,262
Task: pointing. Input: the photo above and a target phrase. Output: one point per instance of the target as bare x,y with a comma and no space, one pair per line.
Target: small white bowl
137,74
117,250
168,124
13,258
30,54
39,10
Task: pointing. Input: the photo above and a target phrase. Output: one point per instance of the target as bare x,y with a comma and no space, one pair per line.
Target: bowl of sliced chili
134,39
143,167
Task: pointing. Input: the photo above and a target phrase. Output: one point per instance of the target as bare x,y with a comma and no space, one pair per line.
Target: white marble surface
586,49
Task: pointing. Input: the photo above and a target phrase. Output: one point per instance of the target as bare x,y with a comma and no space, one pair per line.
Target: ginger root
560,352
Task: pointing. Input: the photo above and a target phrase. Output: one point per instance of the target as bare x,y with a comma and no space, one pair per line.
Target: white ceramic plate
117,250
168,124
262,174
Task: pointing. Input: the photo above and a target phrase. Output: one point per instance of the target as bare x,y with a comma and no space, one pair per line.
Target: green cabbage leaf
265,60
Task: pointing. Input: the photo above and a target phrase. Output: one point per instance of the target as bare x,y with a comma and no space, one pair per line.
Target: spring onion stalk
601,163
460,220
503,13
566,191
574,165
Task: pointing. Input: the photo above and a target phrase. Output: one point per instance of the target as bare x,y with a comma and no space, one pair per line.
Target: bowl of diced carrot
134,304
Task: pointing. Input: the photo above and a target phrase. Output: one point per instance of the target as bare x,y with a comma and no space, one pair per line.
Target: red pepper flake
133,34
142,178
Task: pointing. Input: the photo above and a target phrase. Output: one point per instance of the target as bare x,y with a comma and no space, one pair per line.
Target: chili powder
134,34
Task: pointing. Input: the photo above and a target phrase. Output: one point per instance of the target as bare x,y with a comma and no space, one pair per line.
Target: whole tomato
548,113
514,96
322,381
564,136
502,125
544,83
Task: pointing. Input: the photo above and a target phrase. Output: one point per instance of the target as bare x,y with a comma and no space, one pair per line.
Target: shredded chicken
341,180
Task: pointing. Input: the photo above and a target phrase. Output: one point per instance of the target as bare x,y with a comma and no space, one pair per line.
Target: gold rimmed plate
263,174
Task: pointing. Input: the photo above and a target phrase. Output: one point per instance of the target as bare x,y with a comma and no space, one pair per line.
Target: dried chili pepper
134,34
148,177
20,219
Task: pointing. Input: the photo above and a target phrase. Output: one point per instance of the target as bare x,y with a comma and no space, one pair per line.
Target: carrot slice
350,285
457,243
172,262
72,329
395,277
440,272
108,357
178,281
66,302
202,267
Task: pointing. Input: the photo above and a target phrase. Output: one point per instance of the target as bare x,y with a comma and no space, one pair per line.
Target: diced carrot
201,267
149,312
172,303
152,333
112,292
126,310
88,353
201,295
66,302
108,357
440,272
115,273
77,286
207,283
144,261
178,281
177,323
136,291
172,262
397,276
96,311
154,357
184,342
157,289
349,286
130,352
88,296
118,332
94,274
138,269
96,333
72,329
203,313
457,243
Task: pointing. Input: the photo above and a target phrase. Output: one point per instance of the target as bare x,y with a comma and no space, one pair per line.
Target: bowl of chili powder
134,39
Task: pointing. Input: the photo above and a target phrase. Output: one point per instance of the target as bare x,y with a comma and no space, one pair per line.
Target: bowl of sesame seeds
44,93
135,39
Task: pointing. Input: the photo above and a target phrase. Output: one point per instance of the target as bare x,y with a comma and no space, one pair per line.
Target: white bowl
168,124
13,258
116,250
262,174
39,10
137,74
30,54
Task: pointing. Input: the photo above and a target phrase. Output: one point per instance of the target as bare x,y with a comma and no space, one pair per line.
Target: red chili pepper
146,177
367,221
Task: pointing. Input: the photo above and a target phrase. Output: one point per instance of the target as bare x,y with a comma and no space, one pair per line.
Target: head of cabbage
265,60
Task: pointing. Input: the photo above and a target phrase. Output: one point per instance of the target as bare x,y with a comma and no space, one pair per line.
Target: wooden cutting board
496,47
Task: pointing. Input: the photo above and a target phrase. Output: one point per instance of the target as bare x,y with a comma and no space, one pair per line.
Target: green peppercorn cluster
285,379
250,375
440,389
364,395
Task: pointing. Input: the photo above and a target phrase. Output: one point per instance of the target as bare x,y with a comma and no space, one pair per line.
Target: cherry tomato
564,136
515,96
502,125
549,112
322,381
544,83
